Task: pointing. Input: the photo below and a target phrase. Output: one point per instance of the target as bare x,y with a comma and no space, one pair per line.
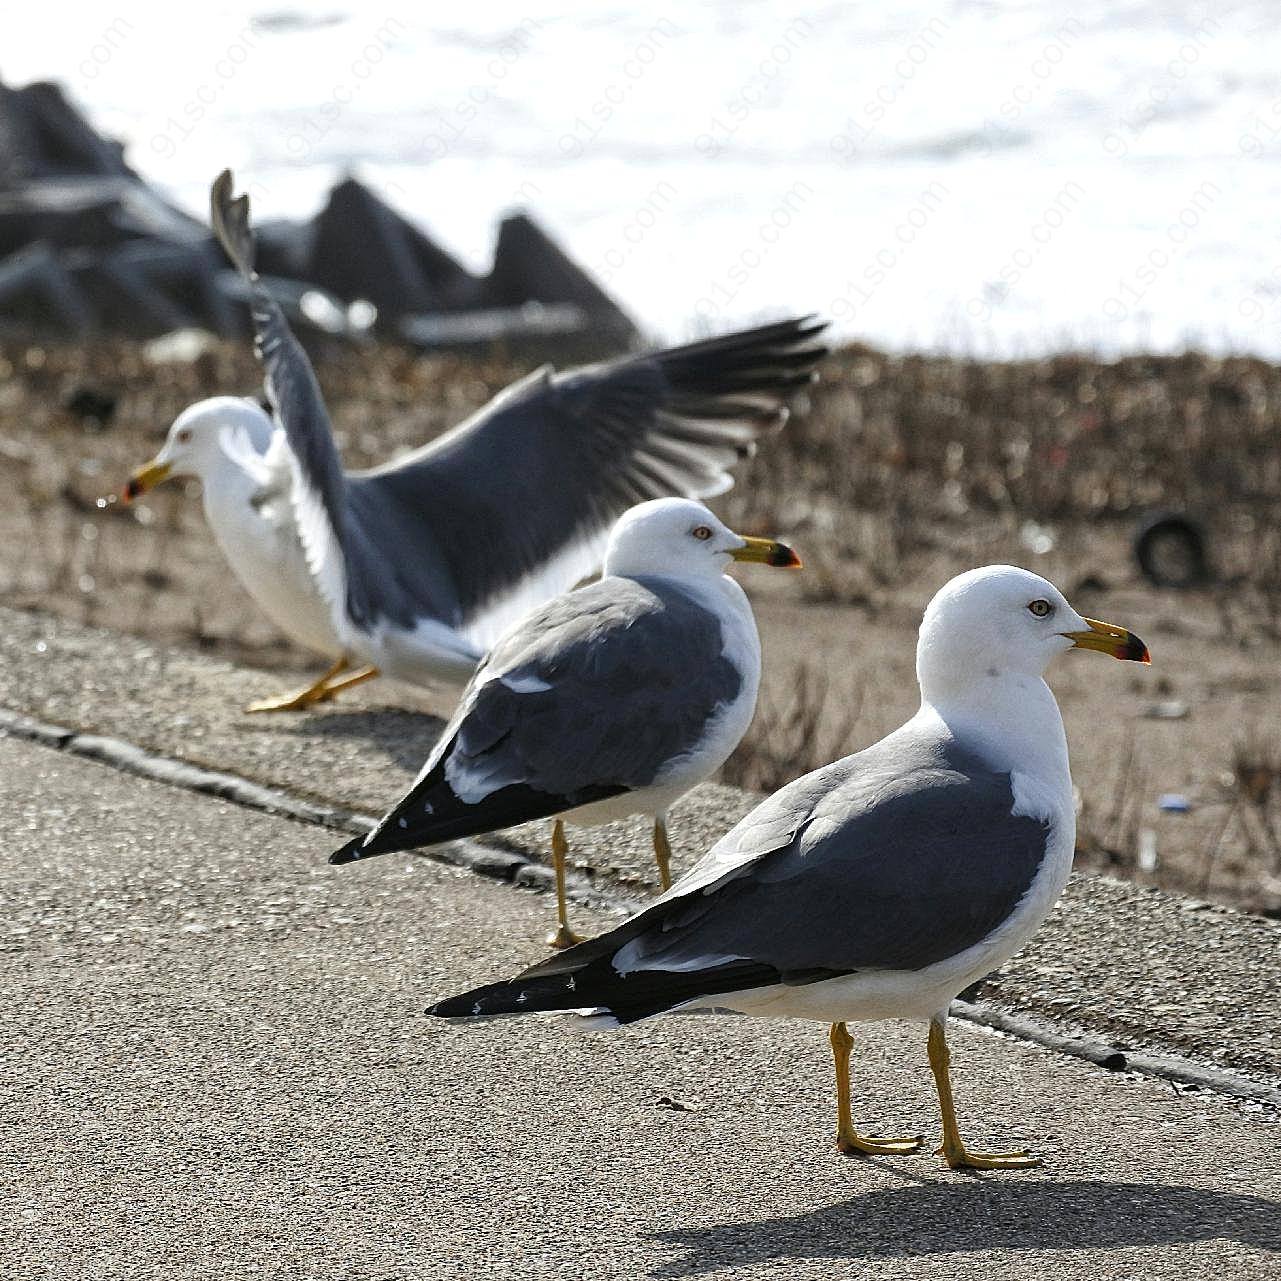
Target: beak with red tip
767,551
145,478
1107,638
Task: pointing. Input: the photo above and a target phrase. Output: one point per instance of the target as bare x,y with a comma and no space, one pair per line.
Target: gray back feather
894,858
633,670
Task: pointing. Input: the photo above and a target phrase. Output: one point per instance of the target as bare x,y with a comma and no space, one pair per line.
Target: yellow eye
1041,608
701,532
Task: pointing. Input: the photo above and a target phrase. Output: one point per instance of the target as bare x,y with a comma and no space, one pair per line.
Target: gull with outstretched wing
415,567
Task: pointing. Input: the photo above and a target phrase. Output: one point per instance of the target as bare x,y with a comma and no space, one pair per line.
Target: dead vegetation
897,470
902,459
797,729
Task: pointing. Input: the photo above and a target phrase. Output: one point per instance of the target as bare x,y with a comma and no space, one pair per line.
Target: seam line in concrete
504,865
474,856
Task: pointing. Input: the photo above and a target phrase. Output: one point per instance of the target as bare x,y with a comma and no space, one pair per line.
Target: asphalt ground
1134,967
217,1066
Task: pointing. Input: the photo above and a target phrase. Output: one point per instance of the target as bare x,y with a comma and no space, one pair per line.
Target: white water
973,177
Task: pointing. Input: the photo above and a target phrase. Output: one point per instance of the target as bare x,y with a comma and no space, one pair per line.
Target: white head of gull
206,438
231,446
680,538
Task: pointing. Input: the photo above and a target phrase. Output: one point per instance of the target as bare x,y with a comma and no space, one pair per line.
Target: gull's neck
717,590
1012,720
226,483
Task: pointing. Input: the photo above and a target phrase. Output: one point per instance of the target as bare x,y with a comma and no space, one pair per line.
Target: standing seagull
613,699
879,886
421,563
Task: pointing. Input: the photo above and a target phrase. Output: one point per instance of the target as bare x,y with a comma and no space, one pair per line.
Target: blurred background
965,177
1047,243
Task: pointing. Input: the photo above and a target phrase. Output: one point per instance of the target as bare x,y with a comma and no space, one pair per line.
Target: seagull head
678,537
1000,620
197,441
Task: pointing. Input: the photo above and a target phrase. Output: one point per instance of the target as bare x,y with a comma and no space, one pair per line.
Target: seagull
881,885
610,700
413,568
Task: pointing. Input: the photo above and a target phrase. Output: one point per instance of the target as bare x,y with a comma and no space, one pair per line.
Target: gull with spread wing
413,568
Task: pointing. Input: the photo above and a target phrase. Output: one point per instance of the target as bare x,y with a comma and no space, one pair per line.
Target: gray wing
367,560
519,500
588,698
895,858
515,505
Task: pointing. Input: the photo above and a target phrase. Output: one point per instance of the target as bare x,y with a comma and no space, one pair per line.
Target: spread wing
519,499
515,505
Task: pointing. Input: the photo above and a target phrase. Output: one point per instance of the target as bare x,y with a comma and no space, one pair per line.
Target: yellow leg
564,936
662,852
358,677
954,1151
848,1139
320,690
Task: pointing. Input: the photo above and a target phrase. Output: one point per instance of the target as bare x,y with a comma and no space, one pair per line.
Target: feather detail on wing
895,858
520,498
592,696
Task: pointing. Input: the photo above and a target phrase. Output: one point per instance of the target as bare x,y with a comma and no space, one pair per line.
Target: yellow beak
767,551
145,478
1107,638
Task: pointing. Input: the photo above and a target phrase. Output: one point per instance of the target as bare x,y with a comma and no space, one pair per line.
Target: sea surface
981,178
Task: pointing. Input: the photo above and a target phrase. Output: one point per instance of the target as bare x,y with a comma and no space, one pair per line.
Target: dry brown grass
894,471
903,458
797,729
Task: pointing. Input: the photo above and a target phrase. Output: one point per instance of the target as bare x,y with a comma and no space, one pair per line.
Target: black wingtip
230,218
478,1003
353,850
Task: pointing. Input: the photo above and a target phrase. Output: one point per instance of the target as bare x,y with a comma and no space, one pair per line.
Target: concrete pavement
1134,968
218,1067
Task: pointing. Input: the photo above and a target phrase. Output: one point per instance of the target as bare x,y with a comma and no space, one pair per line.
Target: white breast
742,648
724,732
263,550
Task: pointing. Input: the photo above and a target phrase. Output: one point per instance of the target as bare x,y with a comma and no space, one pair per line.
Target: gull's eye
1041,608
184,435
702,532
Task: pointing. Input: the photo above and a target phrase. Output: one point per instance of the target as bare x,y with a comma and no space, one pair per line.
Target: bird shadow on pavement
981,1215
404,737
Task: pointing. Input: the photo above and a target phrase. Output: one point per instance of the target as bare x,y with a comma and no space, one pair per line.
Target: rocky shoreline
89,249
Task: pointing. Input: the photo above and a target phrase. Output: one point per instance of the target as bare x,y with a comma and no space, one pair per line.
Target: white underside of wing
429,653
318,538
568,568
